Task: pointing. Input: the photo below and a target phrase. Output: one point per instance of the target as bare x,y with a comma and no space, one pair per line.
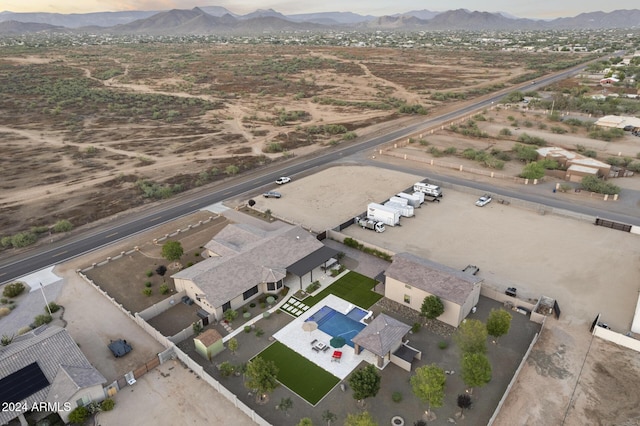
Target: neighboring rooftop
434,278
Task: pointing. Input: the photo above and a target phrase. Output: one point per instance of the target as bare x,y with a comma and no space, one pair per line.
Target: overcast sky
520,8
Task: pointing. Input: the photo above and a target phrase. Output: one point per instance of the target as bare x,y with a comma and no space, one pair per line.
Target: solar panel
22,384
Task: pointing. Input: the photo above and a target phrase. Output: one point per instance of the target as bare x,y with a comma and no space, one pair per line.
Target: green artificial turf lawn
352,287
299,374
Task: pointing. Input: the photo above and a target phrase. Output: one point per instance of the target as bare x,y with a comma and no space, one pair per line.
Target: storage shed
209,343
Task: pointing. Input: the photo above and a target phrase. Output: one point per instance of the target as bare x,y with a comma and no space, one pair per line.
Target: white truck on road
371,224
428,189
387,215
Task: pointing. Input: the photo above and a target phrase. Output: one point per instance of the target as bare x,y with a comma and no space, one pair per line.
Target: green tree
533,170
305,421
432,307
476,370
525,153
285,405
232,170
365,382
78,415
471,336
232,344
428,385
498,323
23,239
329,417
261,377
172,251
362,419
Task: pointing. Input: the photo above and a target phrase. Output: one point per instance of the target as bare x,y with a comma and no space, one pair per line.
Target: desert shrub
6,340
416,327
107,404
435,152
564,187
501,155
532,140
425,142
42,319
634,167
23,330
533,170
62,226
13,289
189,264
350,242
442,344
549,164
147,292
606,134
230,314
23,239
450,151
4,311
259,332
226,369
164,289
4,300
79,415
396,396
593,184
53,307
197,327
252,305
148,284
504,132
149,273
527,123
558,130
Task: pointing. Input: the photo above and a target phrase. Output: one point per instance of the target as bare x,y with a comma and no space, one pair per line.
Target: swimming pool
337,324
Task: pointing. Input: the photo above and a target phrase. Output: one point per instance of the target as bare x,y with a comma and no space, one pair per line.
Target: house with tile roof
46,367
246,262
409,279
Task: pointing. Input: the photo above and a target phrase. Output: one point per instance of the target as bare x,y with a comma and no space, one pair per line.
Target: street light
45,299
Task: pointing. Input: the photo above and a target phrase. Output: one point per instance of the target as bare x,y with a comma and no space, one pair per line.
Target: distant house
577,166
409,279
246,262
47,366
608,81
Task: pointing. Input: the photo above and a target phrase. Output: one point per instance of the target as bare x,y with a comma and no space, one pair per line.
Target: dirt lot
566,259
104,128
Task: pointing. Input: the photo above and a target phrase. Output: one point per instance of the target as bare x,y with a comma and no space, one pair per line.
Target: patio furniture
326,348
336,356
320,346
314,348
314,342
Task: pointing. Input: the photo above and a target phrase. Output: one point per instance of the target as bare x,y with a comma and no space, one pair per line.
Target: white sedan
282,180
484,200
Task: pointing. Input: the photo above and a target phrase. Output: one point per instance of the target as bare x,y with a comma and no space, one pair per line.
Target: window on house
226,306
407,298
271,286
247,294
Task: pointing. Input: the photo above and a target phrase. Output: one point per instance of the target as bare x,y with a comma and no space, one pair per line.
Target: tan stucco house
409,279
46,366
246,262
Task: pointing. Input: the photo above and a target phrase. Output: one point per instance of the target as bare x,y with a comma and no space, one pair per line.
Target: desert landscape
99,130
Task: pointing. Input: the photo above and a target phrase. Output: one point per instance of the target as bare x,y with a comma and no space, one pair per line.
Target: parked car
282,180
484,200
272,194
628,128
187,300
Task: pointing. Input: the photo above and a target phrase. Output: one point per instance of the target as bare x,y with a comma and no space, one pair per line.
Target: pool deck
294,337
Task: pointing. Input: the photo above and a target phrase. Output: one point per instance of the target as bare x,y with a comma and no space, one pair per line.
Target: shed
383,337
209,343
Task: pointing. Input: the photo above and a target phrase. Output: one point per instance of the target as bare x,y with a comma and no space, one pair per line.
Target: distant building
577,166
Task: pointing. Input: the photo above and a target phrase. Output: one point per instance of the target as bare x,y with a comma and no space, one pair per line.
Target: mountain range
217,19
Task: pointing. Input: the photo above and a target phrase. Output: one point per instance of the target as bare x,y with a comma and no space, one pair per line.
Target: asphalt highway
126,225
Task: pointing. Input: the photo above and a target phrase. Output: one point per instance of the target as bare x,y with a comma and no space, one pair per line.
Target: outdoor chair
314,342
315,349
326,348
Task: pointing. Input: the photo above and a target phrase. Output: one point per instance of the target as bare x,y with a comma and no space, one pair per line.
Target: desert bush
416,327
504,132
107,404
4,311
450,151
13,289
149,273
634,167
53,307
593,184
226,369
62,226
350,242
164,289
23,239
558,130
532,140
443,344
230,314
79,415
147,292
42,319
533,170
396,396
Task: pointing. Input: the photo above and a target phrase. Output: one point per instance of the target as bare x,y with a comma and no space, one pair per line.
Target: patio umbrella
337,342
309,326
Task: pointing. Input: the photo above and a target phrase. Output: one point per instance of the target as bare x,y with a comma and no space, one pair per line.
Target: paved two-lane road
126,225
